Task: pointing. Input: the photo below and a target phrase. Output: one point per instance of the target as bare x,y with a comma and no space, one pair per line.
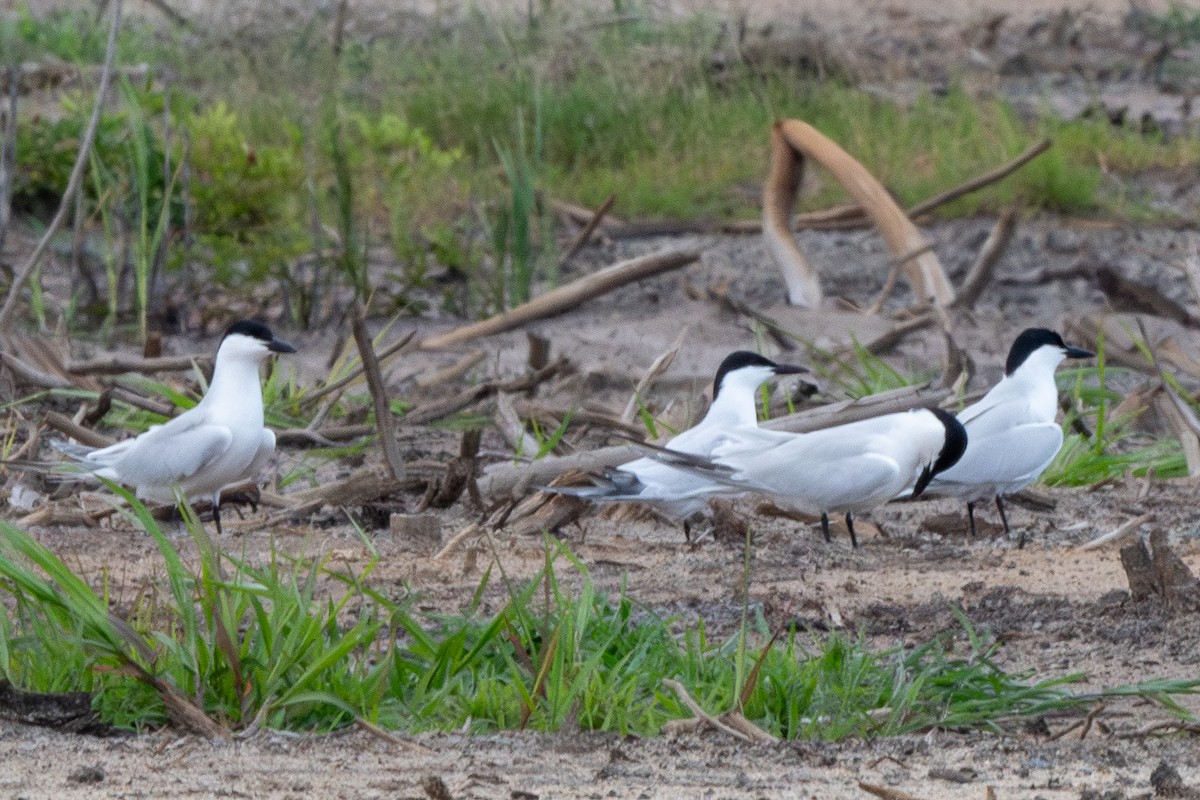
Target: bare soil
1058,609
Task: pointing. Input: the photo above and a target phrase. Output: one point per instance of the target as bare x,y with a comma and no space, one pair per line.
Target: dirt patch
1057,609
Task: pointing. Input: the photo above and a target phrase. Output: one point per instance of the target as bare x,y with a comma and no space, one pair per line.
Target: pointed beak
789,369
922,482
280,346
1078,352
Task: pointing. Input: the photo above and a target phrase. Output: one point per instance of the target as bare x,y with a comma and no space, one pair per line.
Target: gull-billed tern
731,423
219,442
1012,433
844,469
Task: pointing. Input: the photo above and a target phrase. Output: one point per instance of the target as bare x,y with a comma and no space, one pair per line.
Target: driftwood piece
516,478
453,372
383,409
589,228
980,272
118,364
364,485
324,437
21,278
792,140
68,427
653,373
886,792
1154,570
1120,532
441,408
1129,295
566,297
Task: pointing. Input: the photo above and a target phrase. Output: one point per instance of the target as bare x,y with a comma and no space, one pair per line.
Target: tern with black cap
731,423
845,469
1012,433
220,442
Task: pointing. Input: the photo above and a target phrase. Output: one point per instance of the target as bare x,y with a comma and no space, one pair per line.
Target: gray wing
164,457
1007,456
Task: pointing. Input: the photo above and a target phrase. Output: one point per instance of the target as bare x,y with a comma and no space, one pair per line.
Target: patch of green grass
295,645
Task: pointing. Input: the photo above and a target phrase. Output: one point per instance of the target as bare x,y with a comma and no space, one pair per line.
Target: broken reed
227,647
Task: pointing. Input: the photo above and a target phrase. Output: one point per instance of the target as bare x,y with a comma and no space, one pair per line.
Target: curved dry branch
792,141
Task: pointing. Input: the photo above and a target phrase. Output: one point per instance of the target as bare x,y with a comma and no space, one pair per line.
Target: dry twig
383,410
566,297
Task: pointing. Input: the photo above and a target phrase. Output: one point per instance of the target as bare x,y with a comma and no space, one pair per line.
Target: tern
219,442
731,423
845,469
1012,432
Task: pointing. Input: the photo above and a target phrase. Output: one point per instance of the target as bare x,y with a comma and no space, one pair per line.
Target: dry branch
779,196
656,369
1121,531
799,139
977,183
383,355
585,235
980,273
452,372
118,364
441,408
516,478
566,297
885,792
81,160
383,409
68,427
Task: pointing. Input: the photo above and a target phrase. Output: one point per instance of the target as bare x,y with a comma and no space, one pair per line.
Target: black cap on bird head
744,358
1033,338
257,330
952,449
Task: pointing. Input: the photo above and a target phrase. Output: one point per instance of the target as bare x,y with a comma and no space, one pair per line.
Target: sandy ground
1058,609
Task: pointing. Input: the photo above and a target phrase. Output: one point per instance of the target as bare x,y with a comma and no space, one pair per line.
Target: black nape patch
956,441
251,328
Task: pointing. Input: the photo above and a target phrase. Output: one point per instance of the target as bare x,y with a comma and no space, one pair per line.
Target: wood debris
1154,570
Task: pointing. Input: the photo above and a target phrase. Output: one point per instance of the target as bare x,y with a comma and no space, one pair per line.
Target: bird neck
235,388
735,406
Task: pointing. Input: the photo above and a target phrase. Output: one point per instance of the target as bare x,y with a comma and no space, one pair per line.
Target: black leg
850,525
1004,519
825,526
971,516
687,531
217,511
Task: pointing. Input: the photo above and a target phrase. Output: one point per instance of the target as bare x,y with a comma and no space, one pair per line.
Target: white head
1040,351
250,341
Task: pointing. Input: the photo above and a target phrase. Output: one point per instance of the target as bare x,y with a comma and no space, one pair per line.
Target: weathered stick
81,160
32,375
452,372
585,235
1122,530
779,197
901,236
441,408
980,181
117,364
383,409
383,355
660,365
567,297
980,273
68,427
505,478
